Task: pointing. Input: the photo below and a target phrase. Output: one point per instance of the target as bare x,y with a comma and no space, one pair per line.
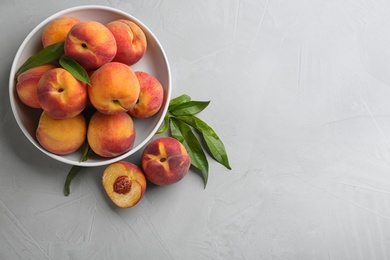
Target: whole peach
165,161
91,44
57,30
110,135
114,88
60,94
124,183
130,39
150,97
61,136
27,82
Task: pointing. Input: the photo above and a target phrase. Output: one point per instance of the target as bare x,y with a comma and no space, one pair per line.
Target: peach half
165,161
57,30
114,88
60,94
124,183
150,97
130,39
61,136
27,82
91,44
110,135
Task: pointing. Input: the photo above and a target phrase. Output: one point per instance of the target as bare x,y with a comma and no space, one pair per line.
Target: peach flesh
124,183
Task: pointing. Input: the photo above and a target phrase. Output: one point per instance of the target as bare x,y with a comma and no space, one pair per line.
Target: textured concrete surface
299,95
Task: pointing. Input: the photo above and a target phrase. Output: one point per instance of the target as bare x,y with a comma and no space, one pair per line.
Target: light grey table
300,96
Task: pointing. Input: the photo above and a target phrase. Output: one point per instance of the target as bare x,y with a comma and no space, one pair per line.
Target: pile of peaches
100,112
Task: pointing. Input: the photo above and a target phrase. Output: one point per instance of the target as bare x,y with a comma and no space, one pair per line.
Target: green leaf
72,173
75,170
84,156
44,56
178,100
215,145
165,126
183,133
75,69
189,108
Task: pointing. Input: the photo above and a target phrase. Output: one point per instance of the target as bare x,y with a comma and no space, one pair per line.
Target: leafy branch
182,121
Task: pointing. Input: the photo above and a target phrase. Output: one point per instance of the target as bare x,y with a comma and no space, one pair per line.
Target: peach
124,183
57,30
60,94
110,135
150,97
91,44
130,39
114,88
165,161
61,136
27,82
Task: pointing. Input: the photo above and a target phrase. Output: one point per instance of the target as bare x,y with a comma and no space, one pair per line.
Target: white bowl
154,62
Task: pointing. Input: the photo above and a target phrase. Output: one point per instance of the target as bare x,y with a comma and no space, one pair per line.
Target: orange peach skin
57,30
165,161
61,136
130,39
27,82
150,97
110,135
60,94
114,88
91,44
124,183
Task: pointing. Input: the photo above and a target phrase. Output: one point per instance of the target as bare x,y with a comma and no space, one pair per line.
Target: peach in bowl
82,43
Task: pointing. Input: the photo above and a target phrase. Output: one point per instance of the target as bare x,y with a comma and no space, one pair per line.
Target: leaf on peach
75,69
44,56
183,133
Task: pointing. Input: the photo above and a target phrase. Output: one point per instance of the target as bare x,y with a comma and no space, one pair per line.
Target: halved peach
124,183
